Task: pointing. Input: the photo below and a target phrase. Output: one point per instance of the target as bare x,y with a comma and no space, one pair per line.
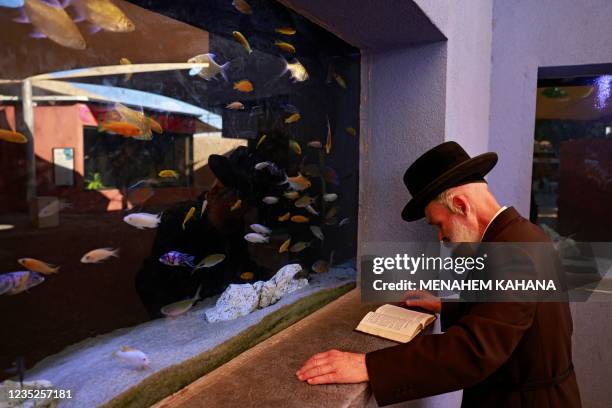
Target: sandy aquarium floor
94,376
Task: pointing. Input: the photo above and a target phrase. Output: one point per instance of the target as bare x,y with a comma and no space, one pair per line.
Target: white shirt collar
496,214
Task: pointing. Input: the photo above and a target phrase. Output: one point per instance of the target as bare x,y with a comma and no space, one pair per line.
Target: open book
395,323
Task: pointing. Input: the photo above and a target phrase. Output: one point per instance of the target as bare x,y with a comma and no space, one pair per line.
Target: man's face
451,227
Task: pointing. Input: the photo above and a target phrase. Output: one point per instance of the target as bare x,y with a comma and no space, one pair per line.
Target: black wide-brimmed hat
233,171
446,165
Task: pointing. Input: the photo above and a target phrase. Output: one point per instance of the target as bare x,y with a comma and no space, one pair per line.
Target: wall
529,34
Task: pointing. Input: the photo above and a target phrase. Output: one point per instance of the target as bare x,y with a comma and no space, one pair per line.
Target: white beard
462,233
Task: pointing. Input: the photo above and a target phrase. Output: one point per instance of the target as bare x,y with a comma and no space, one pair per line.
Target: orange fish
285,46
247,275
35,265
155,126
244,86
299,219
11,136
120,128
285,246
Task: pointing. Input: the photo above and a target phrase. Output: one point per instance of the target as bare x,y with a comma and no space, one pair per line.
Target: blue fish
175,258
13,283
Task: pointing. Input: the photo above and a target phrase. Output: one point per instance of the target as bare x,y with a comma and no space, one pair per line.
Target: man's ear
461,204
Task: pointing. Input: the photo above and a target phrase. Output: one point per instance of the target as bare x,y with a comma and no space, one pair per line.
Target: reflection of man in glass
217,230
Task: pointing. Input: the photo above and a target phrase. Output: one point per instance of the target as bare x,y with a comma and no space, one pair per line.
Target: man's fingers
323,379
316,371
312,363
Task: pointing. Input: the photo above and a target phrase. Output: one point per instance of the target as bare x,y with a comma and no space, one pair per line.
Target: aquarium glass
154,154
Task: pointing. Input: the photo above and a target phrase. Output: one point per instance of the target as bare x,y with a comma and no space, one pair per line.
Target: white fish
262,229
330,197
212,70
53,207
317,232
311,210
134,358
262,165
270,200
256,238
6,227
343,221
143,220
315,144
99,255
297,71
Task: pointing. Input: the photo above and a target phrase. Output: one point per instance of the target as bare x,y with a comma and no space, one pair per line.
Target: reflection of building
75,127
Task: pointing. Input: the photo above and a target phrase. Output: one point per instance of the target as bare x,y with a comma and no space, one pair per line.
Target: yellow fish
340,80
104,14
261,140
299,219
244,86
304,201
210,261
125,61
284,217
295,146
300,246
155,126
11,136
135,118
285,46
236,205
168,174
328,142
247,275
188,216
285,246
351,131
293,118
242,6
35,265
242,40
53,22
285,30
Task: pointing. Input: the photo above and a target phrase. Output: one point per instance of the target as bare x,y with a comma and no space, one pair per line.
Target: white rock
236,301
240,300
281,284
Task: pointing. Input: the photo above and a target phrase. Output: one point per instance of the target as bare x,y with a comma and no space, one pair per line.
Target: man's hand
334,366
424,299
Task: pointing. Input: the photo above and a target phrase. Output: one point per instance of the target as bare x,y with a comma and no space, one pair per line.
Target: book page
405,326
406,314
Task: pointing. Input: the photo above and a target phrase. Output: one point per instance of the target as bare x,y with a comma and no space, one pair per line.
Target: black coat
505,354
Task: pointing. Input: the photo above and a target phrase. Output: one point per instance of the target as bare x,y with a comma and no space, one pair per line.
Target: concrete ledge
265,375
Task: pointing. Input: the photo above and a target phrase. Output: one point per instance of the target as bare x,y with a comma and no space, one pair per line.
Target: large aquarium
178,182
